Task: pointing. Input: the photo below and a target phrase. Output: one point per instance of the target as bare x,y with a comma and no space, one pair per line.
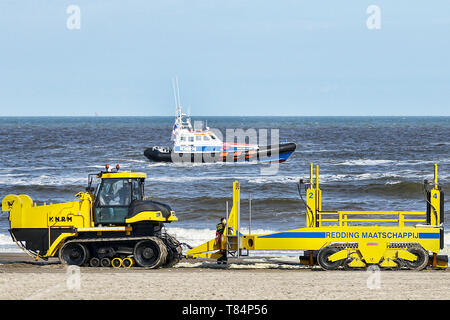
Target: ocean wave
364,162
273,179
7,244
378,162
399,188
290,179
48,180
209,202
135,161
324,178
195,237
184,178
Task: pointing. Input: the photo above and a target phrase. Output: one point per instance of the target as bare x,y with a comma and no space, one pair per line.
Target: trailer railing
343,218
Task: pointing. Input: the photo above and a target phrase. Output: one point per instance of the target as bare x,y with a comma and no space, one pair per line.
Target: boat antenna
178,94
175,97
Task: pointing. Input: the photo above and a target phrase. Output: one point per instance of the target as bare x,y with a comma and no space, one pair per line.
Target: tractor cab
119,199
115,194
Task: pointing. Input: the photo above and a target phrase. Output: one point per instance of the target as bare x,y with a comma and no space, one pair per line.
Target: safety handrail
343,218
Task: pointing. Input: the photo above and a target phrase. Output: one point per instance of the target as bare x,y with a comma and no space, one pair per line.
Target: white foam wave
365,162
326,178
136,161
195,237
7,245
157,164
393,182
405,174
274,179
376,162
47,180
182,179
447,239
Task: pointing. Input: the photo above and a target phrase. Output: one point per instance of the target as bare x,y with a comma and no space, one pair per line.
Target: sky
232,57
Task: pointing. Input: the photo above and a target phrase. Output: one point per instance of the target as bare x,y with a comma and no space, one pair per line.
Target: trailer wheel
322,258
421,261
73,253
150,253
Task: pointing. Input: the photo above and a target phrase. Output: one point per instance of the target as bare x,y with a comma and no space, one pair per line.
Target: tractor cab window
114,192
138,190
113,200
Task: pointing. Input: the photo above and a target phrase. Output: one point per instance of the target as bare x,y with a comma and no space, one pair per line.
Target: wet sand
23,278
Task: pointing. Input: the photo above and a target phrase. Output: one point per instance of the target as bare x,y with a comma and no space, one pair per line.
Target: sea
366,163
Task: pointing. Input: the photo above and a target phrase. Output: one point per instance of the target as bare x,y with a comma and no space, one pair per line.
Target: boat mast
176,94
180,122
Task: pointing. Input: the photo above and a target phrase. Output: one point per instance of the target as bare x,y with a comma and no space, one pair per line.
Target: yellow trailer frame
343,244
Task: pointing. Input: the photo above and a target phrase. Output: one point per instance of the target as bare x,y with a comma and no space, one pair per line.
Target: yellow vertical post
238,208
318,195
311,201
317,177
234,213
401,220
233,219
435,175
435,199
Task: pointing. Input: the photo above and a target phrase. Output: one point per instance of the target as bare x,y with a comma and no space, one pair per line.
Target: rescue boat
204,146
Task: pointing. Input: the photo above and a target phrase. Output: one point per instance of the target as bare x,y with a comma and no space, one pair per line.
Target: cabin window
205,138
183,138
137,190
198,138
114,197
191,139
114,192
212,137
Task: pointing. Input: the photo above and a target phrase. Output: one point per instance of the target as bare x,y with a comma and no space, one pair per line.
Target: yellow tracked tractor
345,239
110,224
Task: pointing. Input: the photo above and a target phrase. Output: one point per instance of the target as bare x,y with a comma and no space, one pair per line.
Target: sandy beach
22,278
